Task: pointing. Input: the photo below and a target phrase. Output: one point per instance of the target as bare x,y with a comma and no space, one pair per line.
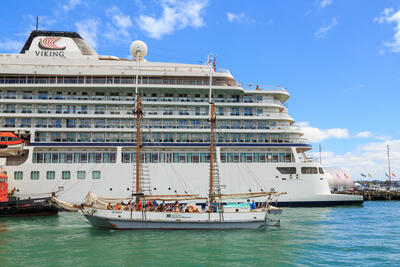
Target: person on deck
253,205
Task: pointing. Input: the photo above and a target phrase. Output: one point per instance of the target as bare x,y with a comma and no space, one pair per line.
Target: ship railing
309,159
116,80
182,138
117,110
266,87
144,99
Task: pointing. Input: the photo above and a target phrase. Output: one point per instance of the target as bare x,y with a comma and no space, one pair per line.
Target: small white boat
112,213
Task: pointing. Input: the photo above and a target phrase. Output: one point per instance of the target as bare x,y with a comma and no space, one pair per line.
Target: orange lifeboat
3,185
8,139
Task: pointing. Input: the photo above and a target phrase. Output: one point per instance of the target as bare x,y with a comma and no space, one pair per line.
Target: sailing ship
142,211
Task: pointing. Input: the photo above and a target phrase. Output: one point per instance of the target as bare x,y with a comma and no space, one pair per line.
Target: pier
372,195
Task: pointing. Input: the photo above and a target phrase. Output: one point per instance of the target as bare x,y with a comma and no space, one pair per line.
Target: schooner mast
139,50
212,127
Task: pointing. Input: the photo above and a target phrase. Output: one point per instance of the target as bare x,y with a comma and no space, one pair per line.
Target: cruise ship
72,109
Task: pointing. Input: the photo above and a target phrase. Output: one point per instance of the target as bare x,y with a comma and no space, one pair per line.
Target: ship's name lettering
50,53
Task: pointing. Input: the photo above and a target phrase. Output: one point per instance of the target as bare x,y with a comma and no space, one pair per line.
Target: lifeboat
10,144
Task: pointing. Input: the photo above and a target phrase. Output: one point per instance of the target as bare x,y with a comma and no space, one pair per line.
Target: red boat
12,206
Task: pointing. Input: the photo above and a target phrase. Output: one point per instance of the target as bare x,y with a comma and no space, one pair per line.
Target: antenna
320,155
390,174
37,23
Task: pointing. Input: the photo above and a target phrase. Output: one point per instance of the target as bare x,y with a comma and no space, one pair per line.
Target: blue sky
339,59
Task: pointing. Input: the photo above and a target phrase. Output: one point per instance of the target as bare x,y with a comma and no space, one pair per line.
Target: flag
387,175
393,174
345,175
369,175
363,175
214,65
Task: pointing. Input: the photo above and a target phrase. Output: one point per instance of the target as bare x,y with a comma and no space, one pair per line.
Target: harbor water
357,235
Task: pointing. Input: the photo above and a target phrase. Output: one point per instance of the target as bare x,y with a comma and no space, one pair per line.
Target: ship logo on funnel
49,43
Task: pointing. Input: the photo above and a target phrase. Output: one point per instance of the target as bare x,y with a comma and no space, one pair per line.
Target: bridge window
309,170
286,170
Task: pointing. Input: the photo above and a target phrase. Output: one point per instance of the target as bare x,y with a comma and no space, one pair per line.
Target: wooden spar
138,115
212,121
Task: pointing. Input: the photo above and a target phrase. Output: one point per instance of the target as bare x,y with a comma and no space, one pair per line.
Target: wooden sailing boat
124,213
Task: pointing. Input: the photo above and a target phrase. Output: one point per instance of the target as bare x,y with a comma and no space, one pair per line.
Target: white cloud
321,33
71,4
316,135
176,15
89,29
325,3
364,134
369,158
120,24
240,17
388,16
11,46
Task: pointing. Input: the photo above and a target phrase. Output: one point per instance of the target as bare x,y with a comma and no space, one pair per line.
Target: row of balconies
164,137
258,99
111,80
173,111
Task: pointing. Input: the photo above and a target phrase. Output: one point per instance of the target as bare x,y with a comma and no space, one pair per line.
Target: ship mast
138,50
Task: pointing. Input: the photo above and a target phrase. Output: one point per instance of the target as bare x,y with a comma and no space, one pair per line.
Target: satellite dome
138,48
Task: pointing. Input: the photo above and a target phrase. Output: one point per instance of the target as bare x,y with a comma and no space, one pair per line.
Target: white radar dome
138,48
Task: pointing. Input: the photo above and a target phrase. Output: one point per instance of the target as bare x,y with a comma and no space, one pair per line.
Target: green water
366,235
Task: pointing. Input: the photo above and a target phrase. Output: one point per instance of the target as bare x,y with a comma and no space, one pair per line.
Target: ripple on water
364,235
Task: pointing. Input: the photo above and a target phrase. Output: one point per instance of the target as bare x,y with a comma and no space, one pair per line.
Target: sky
338,59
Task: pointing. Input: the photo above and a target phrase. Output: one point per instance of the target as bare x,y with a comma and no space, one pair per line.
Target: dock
372,195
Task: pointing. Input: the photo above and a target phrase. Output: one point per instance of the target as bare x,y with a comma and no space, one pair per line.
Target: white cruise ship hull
179,178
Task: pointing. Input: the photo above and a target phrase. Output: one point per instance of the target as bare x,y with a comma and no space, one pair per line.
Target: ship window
223,157
321,171
50,175
18,175
96,174
47,157
77,157
34,175
66,175
81,174
68,157
11,95
286,170
126,157
84,158
309,170
54,158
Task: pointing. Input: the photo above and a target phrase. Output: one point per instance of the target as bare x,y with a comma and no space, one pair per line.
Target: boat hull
27,208
174,221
